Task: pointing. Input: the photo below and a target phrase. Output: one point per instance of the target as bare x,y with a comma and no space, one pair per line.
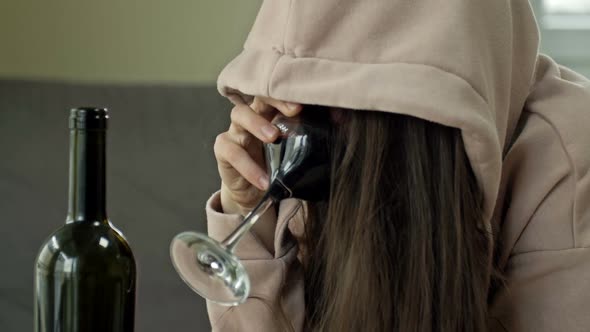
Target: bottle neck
87,191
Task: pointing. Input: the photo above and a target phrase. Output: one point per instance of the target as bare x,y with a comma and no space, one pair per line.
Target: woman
459,197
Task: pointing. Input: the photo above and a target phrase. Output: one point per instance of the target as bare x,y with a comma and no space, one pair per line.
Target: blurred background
154,65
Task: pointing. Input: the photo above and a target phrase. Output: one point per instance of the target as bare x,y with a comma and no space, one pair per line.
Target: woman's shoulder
561,97
544,201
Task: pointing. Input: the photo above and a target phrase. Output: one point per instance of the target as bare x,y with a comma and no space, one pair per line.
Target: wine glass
299,166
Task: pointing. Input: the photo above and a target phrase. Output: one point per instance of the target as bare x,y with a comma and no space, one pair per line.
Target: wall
122,41
567,44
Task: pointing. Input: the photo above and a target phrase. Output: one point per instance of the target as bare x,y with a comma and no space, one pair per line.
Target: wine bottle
85,272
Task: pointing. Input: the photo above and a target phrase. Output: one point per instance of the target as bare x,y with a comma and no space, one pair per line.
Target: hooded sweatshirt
468,64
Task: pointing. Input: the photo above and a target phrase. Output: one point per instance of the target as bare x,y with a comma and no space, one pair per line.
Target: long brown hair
400,245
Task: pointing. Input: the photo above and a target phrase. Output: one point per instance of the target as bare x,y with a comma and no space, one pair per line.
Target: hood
467,64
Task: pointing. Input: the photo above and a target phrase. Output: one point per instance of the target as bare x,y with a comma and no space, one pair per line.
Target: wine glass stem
251,218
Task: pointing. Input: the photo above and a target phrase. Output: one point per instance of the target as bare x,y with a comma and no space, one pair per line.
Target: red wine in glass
299,166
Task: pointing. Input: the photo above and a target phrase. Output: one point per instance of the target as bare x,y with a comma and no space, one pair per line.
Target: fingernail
292,106
269,131
263,181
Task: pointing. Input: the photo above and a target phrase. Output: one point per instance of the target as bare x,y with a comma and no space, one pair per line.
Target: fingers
265,105
238,151
255,118
232,157
244,118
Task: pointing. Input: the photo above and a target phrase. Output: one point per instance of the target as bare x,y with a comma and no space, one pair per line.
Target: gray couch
161,170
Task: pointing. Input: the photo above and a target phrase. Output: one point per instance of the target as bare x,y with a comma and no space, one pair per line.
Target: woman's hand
239,154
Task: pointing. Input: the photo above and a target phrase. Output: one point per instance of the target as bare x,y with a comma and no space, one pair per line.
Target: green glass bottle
85,273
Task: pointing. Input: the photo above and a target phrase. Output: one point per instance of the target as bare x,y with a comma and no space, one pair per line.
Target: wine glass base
209,269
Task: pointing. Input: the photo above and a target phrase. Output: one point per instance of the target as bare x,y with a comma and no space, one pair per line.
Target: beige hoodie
469,64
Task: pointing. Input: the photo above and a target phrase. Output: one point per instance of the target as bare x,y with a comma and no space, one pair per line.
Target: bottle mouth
94,118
